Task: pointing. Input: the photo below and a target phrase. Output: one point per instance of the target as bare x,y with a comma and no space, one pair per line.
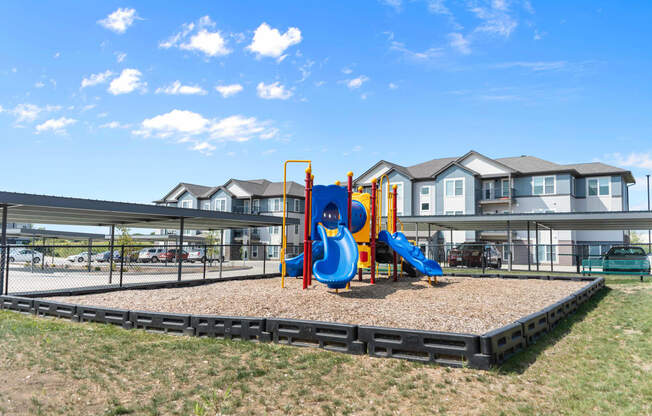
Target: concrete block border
444,348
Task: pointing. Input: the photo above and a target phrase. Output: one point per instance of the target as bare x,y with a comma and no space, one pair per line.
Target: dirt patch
456,304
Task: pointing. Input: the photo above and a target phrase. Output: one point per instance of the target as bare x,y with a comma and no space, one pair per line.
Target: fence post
90,253
264,258
122,262
111,249
205,259
6,271
221,259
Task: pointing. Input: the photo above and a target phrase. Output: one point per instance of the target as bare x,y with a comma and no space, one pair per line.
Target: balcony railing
489,195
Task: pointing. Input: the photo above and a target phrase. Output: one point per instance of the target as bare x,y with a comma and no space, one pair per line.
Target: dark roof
46,209
254,187
427,169
524,165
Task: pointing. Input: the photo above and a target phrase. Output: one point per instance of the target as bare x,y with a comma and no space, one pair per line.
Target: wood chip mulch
455,304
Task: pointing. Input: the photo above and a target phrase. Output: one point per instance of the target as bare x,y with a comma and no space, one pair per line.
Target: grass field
597,362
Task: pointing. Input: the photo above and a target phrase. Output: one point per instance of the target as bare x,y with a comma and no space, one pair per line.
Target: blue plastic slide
340,262
294,266
410,253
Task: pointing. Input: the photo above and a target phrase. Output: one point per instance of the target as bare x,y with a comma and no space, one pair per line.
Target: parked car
25,255
627,253
171,255
196,255
106,256
470,255
79,258
151,254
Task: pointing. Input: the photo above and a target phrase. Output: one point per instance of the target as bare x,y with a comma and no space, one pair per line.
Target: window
296,228
544,253
272,252
220,205
186,203
454,187
276,204
598,186
297,205
543,185
454,213
399,199
505,188
488,189
206,205
254,251
256,206
425,200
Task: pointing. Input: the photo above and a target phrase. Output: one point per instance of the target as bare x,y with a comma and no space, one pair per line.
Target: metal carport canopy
609,220
45,209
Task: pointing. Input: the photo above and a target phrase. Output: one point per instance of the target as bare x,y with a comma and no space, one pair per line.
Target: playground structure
343,235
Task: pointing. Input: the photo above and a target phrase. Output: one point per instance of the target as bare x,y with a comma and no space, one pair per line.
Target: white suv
148,255
25,254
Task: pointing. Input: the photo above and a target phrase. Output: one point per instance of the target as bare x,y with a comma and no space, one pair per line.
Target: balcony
489,196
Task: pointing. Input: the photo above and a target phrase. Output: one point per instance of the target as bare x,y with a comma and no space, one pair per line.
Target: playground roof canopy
45,209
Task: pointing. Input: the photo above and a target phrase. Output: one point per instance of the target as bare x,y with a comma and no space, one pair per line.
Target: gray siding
523,186
563,184
616,186
221,195
469,186
580,188
396,178
187,197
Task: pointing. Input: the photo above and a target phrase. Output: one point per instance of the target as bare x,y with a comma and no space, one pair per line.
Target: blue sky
123,100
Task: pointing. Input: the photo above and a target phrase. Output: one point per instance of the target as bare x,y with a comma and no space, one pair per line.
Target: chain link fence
27,268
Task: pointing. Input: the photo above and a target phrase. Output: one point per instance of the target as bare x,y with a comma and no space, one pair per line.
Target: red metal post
360,189
312,180
306,232
395,193
372,242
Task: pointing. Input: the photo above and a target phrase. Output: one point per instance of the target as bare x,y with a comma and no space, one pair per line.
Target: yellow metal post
284,233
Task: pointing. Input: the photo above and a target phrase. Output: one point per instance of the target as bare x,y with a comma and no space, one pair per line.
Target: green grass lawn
597,362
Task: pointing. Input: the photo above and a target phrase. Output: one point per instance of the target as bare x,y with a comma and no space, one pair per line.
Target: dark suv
470,255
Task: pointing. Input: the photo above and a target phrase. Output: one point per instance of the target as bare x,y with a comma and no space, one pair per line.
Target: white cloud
229,90
119,20
57,55
177,89
58,125
635,160
128,81
356,82
271,43
39,84
495,19
269,151
204,147
273,91
88,107
392,86
458,42
95,79
347,71
305,70
29,112
115,125
187,126
427,55
196,37
120,56
396,4
534,66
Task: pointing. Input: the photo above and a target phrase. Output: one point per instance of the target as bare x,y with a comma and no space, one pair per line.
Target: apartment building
258,196
474,184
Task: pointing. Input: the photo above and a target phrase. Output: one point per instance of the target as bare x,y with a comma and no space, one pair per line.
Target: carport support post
111,244
529,262
221,259
509,245
4,255
90,253
179,249
205,259
551,266
536,243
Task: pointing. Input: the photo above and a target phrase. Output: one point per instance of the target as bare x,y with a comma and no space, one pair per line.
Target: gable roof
254,187
198,191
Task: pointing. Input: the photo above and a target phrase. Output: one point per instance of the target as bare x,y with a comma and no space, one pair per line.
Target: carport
560,221
45,209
